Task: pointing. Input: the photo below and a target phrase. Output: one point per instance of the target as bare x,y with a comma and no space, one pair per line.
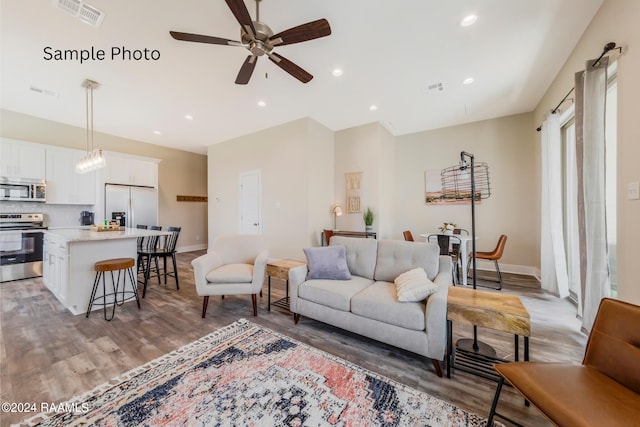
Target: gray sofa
367,303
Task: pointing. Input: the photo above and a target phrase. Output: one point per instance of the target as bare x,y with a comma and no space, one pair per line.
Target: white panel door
250,202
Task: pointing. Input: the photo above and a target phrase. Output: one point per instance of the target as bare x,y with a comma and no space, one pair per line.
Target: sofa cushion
231,273
397,256
414,285
378,302
327,263
336,294
361,254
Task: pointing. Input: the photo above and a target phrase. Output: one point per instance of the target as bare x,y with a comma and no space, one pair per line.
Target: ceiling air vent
90,15
81,10
70,6
435,87
43,91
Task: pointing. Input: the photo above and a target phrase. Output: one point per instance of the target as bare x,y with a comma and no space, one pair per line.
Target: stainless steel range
21,245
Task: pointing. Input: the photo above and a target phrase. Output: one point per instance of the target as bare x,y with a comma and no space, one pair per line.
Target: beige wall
359,149
179,172
615,21
295,160
507,145
303,173
369,149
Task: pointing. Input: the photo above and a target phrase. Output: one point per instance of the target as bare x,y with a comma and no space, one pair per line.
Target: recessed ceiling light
188,117
337,72
157,132
468,81
373,107
262,104
468,20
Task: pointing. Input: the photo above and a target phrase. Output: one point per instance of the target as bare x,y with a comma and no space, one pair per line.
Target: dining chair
407,236
140,239
603,391
460,231
144,257
455,247
494,256
165,250
447,244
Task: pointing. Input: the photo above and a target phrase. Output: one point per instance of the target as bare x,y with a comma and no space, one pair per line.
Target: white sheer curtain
553,260
591,90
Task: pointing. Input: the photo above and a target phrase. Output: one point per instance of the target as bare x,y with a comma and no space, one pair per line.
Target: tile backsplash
54,215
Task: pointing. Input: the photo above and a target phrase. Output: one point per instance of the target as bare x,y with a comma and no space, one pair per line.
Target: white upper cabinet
130,171
64,185
21,159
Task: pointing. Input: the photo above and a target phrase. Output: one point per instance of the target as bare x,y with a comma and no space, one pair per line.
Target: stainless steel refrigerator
131,205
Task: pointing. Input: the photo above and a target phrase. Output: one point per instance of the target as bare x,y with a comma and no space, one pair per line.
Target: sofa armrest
436,311
201,266
259,267
297,276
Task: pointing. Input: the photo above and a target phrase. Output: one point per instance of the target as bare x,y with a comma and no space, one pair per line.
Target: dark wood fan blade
290,67
246,70
203,39
241,13
302,33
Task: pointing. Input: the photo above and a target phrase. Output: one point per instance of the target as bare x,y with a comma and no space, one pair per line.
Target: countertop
76,234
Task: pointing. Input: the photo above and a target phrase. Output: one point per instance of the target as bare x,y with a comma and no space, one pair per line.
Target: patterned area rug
247,375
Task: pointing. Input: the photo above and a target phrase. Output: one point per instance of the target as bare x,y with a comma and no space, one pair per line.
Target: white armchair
235,265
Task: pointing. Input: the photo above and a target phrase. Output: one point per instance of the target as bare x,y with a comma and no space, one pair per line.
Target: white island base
70,255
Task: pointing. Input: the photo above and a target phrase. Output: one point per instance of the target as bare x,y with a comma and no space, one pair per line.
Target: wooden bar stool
111,265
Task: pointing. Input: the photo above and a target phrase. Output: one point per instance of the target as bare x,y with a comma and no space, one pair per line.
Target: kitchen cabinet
20,159
64,185
70,255
130,171
55,266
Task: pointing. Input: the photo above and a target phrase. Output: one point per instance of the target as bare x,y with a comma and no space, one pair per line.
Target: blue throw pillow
329,262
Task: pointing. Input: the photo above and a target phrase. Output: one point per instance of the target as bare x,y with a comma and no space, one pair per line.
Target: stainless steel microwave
23,190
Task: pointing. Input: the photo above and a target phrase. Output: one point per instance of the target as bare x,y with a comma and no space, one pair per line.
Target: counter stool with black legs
110,265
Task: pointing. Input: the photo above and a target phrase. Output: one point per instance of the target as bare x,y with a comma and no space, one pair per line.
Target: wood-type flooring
49,355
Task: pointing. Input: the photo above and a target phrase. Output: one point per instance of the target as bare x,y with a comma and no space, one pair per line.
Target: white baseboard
509,268
191,248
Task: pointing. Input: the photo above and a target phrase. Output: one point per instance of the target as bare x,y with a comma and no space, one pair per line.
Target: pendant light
93,159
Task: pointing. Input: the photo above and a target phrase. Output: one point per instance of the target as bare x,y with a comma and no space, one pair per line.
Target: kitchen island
71,253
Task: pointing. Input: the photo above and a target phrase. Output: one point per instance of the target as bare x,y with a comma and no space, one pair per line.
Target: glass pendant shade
94,159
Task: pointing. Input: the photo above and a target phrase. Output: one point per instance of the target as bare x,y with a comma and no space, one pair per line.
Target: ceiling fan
258,38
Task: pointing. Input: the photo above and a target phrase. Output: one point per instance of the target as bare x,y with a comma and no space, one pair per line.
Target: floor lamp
464,181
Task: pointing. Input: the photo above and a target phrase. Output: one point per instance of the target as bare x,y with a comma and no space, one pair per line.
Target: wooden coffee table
492,310
280,270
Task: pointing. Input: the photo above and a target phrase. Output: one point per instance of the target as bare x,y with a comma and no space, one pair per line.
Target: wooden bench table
280,270
492,310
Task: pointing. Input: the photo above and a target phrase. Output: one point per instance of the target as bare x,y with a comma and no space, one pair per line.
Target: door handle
256,224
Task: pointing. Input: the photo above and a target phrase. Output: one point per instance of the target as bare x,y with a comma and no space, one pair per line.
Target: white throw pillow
414,285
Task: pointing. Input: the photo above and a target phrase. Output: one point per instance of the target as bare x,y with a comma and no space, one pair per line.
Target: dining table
465,249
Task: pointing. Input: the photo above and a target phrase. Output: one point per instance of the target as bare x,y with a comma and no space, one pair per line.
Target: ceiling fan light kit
259,39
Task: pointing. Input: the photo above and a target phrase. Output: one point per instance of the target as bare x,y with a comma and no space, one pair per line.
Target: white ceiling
390,51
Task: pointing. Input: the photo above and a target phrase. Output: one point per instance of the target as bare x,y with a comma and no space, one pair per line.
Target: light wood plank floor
49,355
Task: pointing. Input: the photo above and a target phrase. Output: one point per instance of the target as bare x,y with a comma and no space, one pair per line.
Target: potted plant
368,219
448,227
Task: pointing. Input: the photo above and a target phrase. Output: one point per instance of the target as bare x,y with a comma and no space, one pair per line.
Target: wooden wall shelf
192,198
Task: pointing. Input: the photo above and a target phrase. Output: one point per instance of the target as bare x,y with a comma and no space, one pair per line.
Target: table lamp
337,211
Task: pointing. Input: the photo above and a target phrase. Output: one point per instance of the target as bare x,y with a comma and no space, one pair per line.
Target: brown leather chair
407,236
328,234
603,391
494,256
